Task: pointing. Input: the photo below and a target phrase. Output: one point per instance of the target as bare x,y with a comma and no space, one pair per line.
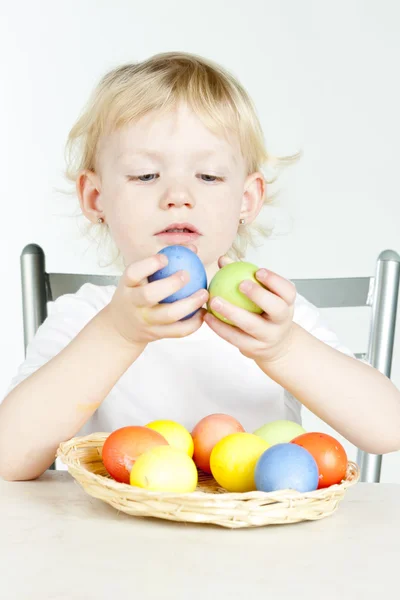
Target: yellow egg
170,470
175,434
233,461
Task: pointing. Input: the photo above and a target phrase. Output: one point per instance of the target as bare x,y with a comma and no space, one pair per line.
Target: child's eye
211,178
143,178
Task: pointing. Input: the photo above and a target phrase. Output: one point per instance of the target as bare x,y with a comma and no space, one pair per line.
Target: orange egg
329,454
124,445
208,432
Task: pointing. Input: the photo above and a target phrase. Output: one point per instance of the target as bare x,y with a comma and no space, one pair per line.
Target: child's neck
211,270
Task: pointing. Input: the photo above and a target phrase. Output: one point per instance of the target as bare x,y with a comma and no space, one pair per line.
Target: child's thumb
224,260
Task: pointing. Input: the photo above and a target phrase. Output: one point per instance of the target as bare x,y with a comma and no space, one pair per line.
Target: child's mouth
178,235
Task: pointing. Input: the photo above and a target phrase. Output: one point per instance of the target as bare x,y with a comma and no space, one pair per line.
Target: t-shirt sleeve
67,316
308,316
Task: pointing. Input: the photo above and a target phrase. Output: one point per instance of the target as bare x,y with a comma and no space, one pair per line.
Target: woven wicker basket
208,504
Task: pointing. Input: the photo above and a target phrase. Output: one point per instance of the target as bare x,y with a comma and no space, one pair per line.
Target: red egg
329,454
207,433
124,445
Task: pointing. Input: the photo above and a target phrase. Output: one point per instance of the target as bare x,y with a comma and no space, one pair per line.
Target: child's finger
272,305
224,260
181,328
280,286
192,247
166,314
135,274
156,291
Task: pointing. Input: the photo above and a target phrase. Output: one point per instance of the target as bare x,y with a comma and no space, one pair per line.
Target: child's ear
88,191
253,196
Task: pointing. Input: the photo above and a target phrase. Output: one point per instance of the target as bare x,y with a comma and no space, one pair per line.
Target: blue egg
182,258
286,466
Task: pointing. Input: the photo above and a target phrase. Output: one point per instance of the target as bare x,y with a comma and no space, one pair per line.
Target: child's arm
355,399
52,404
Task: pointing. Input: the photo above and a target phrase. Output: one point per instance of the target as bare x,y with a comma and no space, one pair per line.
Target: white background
323,75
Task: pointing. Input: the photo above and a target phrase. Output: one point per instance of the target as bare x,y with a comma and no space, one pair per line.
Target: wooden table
56,542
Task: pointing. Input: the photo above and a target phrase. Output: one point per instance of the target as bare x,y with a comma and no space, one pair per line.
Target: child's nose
177,196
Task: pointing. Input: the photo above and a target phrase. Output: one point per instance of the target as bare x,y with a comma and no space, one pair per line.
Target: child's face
192,177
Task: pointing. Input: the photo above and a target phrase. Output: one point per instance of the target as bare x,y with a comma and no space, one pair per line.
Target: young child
170,151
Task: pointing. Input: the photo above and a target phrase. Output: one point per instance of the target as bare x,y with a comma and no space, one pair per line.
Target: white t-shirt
183,379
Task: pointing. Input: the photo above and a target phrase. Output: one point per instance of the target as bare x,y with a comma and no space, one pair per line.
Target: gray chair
380,292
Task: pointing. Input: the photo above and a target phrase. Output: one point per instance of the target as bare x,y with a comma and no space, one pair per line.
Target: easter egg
210,430
278,432
164,469
176,435
233,460
124,445
286,467
329,455
225,284
182,258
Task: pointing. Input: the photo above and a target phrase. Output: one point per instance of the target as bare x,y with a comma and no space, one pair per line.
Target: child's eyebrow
159,155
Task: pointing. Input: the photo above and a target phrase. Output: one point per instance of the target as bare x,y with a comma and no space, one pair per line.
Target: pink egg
207,433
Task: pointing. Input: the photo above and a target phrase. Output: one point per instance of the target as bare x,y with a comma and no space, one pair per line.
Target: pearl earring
242,221
100,220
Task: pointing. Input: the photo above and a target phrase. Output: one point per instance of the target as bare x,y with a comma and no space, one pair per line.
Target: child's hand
135,311
265,337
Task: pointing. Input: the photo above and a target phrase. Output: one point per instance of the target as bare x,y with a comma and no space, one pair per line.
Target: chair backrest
379,291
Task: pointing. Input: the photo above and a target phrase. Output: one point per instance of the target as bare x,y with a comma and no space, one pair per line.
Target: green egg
225,284
279,432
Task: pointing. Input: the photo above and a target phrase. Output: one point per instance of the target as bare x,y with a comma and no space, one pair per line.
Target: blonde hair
129,91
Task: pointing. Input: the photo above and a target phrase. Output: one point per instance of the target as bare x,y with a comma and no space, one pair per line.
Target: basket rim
73,465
